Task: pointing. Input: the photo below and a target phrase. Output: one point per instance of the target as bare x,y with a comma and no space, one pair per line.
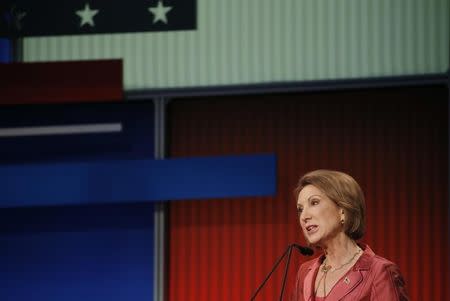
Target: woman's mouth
311,229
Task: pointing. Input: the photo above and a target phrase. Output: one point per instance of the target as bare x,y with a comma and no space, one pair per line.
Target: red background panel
394,142
59,82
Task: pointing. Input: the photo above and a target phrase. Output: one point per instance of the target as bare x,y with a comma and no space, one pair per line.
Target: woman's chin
315,239
312,240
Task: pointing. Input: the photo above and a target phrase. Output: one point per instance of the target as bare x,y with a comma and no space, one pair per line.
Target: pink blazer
372,278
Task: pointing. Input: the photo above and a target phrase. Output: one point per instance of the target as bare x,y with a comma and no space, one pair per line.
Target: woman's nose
305,217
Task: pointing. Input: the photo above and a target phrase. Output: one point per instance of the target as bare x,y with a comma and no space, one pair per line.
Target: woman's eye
314,202
299,210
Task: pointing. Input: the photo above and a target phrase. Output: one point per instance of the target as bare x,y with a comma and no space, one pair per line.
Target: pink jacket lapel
353,278
310,278
345,285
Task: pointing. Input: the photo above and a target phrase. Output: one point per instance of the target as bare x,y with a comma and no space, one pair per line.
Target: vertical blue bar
5,51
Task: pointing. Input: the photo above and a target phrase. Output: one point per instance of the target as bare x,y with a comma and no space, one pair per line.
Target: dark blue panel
77,253
137,180
53,17
136,140
5,51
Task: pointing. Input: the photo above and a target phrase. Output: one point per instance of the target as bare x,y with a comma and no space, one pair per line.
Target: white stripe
72,129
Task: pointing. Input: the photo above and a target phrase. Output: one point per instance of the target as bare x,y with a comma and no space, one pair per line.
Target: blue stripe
137,180
5,51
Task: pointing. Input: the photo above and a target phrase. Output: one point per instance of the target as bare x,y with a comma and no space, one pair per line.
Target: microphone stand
285,272
288,252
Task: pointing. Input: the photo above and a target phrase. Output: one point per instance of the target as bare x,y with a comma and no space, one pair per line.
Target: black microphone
303,250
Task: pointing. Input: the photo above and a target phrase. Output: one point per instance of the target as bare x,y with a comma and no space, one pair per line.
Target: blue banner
137,180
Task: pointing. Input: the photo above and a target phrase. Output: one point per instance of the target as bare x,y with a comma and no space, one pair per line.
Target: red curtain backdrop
393,141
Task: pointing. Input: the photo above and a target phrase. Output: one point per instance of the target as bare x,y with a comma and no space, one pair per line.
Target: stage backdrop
253,42
393,141
72,253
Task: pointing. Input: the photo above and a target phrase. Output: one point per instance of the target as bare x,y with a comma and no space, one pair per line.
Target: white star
159,12
87,15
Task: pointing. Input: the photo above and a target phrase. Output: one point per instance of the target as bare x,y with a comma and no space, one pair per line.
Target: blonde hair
345,192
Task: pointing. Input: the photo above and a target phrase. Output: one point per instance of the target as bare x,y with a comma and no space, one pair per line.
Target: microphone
303,250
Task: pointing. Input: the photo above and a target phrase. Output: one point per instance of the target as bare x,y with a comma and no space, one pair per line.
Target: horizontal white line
73,129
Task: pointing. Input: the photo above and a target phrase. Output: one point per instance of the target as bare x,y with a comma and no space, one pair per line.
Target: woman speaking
331,211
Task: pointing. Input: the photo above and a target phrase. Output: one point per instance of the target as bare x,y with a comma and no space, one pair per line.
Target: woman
331,210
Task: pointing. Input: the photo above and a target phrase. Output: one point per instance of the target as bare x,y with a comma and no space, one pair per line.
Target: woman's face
320,217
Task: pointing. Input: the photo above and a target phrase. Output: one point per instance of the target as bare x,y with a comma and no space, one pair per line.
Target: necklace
325,268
